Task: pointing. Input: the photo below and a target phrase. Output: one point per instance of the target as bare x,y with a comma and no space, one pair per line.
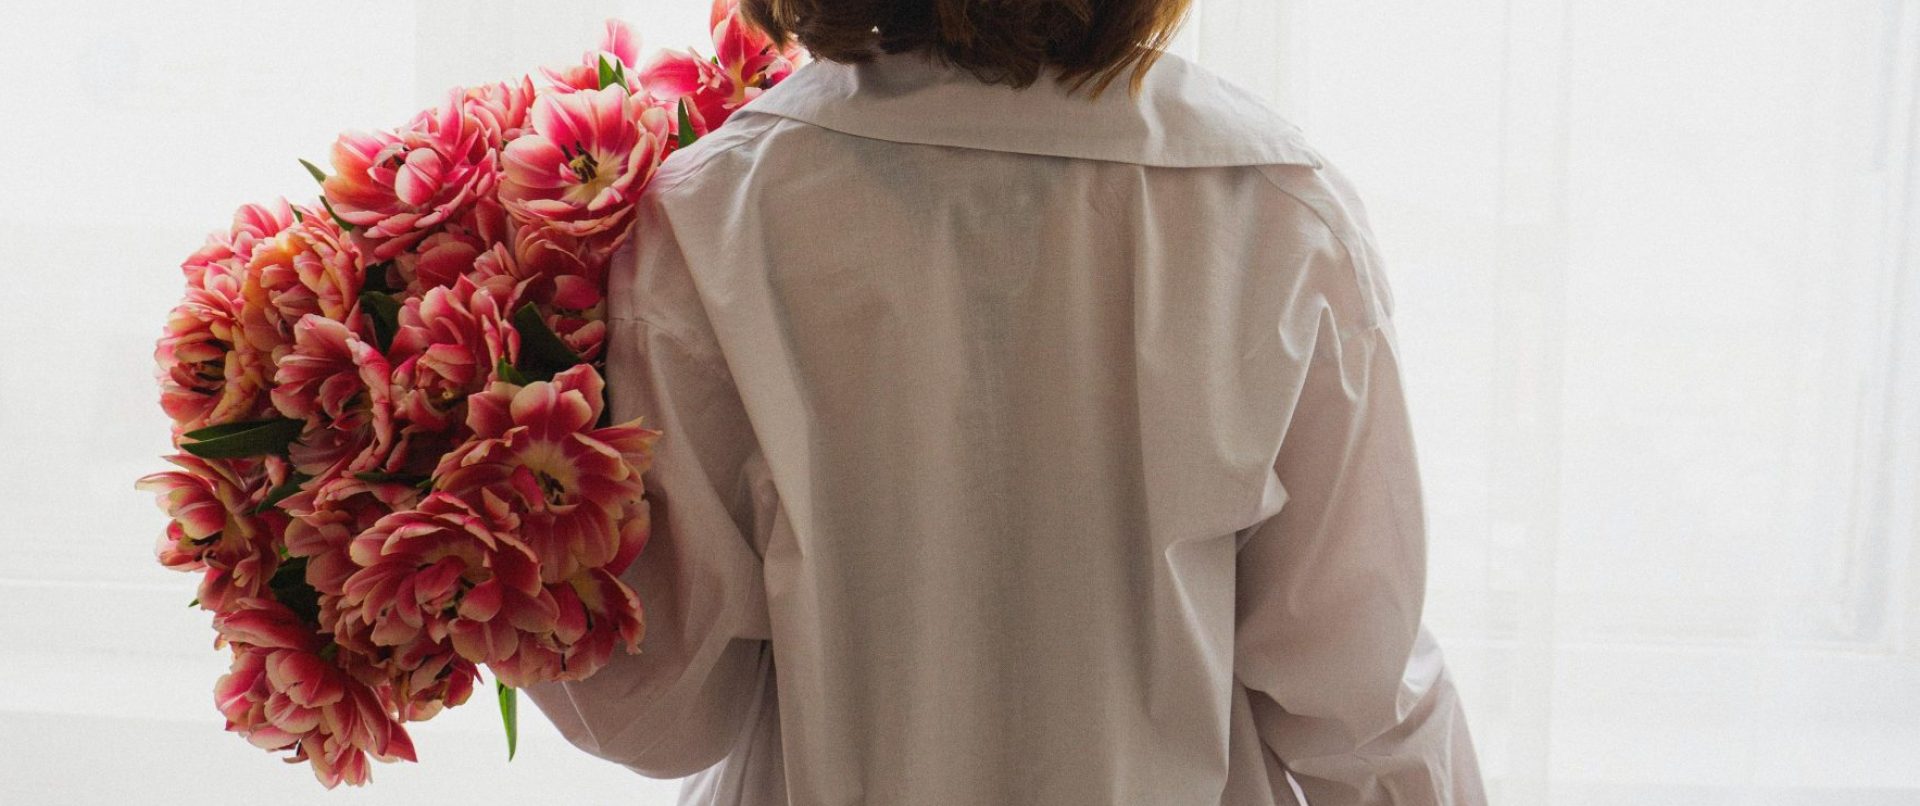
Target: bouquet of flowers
394,457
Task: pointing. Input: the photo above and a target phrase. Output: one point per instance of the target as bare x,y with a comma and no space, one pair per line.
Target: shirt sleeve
674,708
1348,690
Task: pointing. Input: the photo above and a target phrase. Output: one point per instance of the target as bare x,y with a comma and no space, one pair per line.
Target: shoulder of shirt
1317,185
1327,193
687,161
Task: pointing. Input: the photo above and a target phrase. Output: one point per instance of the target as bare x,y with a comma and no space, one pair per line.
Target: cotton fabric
1019,448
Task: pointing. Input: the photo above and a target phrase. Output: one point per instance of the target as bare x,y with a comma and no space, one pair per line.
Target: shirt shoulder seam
735,137
1371,321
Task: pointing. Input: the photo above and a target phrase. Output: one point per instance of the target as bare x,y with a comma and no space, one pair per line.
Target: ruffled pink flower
588,157
468,247
311,267
556,273
326,514
209,372
585,335
283,692
500,110
553,269
213,527
422,677
619,45
447,576
342,387
573,485
450,343
439,259
597,613
419,675
400,185
251,224
745,64
450,340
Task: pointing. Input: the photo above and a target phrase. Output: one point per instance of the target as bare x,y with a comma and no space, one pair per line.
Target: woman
1025,442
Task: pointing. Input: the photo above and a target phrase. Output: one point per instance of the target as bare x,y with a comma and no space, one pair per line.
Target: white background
1657,273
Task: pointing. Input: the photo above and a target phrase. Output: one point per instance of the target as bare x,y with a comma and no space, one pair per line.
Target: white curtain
1656,264
1658,273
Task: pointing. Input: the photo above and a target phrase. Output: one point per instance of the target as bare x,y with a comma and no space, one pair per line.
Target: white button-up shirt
1018,449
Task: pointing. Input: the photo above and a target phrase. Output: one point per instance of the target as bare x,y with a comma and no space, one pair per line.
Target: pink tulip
451,339
213,528
745,64
585,335
265,624
619,46
311,267
450,343
573,485
209,372
251,224
445,578
342,387
597,612
401,185
500,110
439,259
555,270
283,692
325,516
588,157
420,676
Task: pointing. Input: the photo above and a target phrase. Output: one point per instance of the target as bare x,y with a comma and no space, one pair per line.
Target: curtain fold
1659,287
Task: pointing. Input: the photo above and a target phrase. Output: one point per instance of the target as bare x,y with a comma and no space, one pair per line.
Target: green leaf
195,602
612,73
221,430
509,714
384,310
509,374
280,493
318,175
290,588
337,220
375,278
542,353
384,477
298,216
685,134
236,440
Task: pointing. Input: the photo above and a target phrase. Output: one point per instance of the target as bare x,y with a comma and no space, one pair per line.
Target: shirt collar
1185,116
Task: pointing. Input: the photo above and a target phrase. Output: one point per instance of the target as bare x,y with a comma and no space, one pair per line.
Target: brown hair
999,41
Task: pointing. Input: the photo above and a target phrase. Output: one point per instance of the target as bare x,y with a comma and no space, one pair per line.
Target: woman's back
1019,448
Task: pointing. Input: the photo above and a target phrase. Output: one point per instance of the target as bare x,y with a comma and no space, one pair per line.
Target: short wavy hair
999,41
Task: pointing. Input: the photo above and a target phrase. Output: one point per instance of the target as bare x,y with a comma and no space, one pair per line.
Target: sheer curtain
1657,268
1658,274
